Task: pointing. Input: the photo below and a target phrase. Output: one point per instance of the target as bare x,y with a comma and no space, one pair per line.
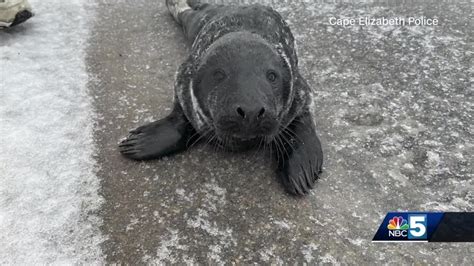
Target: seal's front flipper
303,161
158,139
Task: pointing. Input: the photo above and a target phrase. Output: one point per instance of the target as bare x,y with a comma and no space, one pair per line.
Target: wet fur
202,104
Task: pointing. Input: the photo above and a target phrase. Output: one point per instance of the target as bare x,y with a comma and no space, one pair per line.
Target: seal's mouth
233,132
246,137
237,143
238,137
240,141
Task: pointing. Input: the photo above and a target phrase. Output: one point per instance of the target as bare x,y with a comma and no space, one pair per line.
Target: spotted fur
242,38
219,21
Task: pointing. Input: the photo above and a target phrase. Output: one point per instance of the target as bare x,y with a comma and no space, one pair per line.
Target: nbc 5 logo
418,224
415,228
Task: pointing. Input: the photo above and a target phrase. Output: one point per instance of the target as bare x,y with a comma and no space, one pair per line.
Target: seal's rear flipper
176,7
158,139
192,15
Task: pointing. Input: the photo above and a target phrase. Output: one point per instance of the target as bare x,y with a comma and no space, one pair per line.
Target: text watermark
383,21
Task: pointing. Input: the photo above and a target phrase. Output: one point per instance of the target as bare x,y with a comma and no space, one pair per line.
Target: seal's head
243,84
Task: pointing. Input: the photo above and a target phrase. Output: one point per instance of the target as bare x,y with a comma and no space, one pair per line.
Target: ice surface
392,105
392,109
48,186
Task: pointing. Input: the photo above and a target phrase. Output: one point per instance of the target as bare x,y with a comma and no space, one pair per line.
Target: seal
240,88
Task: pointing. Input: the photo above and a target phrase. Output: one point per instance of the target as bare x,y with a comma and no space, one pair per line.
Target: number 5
417,227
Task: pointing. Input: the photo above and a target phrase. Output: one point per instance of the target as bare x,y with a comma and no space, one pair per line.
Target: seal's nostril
261,113
241,112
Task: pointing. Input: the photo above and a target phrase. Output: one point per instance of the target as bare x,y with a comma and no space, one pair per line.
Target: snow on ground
48,187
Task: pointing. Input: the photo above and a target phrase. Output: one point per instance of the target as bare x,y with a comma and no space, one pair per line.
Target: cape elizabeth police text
368,21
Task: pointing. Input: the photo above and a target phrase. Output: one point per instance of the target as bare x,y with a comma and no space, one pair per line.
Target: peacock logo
398,223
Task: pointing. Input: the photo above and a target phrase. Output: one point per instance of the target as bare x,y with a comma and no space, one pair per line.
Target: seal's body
240,87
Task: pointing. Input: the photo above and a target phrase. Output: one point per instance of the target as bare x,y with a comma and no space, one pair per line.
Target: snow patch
328,258
48,192
170,250
223,235
308,250
282,225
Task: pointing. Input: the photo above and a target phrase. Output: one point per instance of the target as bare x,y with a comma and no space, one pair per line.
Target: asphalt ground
393,109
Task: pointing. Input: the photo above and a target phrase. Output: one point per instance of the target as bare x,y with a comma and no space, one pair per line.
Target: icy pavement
48,186
393,109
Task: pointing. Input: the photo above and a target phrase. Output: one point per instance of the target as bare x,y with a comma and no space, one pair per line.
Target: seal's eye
272,76
219,75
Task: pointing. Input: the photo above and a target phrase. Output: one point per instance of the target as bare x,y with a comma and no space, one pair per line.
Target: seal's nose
247,120
250,113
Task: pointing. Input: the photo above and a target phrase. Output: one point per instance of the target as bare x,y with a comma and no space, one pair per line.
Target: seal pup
239,88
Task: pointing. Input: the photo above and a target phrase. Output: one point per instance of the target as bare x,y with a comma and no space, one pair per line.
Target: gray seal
240,88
